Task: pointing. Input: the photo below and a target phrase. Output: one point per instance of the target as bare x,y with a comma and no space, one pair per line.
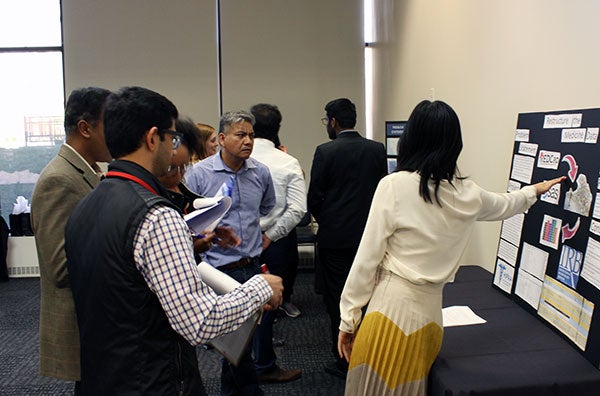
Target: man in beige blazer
69,177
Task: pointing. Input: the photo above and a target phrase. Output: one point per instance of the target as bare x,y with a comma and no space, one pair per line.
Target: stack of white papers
208,213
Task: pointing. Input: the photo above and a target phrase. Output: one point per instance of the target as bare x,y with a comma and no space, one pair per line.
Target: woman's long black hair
430,145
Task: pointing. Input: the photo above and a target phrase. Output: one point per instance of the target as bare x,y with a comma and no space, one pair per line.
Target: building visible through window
32,94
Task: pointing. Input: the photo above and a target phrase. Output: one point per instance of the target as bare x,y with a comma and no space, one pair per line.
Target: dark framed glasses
176,137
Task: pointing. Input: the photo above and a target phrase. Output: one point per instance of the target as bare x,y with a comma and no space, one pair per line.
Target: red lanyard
135,179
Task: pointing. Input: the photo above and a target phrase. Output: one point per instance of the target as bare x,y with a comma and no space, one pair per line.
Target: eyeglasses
325,120
176,137
181,169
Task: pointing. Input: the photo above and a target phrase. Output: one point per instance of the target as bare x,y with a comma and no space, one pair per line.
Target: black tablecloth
514,353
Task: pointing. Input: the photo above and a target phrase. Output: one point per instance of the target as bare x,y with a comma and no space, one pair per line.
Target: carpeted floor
306,346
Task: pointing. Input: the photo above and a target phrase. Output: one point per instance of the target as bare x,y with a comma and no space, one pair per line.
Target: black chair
305,234
307,237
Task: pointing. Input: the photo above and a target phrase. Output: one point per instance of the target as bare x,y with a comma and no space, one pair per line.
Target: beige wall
165,46
295,54
490,60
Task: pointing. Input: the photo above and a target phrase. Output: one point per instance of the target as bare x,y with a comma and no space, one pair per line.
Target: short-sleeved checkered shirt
163,253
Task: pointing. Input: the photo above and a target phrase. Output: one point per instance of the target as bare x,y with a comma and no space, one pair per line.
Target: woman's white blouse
420,241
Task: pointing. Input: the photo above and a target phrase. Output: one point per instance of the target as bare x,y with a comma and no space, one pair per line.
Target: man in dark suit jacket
344,175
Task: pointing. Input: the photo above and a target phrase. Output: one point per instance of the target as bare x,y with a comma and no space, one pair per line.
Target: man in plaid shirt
141,303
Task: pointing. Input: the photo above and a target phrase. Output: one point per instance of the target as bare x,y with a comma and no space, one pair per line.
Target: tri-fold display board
549,258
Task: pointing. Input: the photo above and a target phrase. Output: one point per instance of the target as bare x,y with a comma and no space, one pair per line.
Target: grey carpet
306,346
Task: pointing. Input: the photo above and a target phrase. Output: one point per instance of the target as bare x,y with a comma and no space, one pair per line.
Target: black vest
127,344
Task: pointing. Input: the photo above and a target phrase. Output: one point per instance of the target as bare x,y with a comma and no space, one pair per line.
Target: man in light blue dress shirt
253,196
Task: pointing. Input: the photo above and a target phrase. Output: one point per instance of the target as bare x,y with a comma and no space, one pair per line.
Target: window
32,94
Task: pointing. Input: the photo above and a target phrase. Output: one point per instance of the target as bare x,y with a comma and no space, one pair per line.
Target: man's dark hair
430,145
189,132
343,110
130,113
268,120
84,104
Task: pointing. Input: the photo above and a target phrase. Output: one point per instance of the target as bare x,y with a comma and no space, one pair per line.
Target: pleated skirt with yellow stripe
398,339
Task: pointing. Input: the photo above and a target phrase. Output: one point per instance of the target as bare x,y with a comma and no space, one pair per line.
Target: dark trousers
241,380
335,266
77,389
282,259
262,344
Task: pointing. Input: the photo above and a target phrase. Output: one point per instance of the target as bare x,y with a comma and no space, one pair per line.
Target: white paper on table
460,315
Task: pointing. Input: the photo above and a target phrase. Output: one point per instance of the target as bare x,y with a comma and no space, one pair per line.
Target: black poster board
393,131
548,259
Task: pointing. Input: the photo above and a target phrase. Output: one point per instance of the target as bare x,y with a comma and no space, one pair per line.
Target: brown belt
238,264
